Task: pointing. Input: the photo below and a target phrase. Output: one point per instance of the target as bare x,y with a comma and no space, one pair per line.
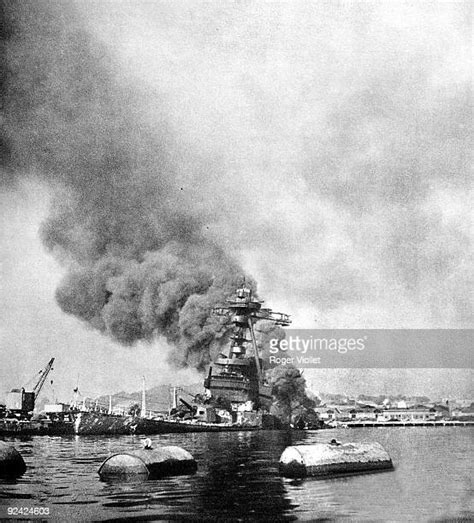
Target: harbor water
237,479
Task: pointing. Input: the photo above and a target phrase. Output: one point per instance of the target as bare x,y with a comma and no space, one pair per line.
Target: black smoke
122,220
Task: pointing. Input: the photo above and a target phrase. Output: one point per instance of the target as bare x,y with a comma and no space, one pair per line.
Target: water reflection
240,478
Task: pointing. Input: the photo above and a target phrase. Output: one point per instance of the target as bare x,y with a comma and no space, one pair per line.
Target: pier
438,423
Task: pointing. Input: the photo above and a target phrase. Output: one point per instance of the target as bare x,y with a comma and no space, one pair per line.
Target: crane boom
37,388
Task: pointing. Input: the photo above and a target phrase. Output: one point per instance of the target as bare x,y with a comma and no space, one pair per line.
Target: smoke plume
123,219
322,146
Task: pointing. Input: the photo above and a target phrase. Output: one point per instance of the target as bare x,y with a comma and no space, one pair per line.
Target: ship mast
255,349
143,409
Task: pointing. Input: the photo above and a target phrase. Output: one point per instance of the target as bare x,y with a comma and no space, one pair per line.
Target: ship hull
98,424
90,423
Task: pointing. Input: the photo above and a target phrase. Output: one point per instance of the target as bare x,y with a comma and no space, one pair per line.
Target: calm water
238,479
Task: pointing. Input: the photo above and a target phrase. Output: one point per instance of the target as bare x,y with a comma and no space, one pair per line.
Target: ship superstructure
237,377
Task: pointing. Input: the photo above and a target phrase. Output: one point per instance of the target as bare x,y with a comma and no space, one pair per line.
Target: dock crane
20,402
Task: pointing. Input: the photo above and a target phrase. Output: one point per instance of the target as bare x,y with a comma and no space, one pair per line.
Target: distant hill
157,398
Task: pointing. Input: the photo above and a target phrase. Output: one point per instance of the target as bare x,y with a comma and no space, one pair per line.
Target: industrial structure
237,378
20,403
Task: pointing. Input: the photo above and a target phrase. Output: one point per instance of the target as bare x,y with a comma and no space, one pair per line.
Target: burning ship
236,378
237,393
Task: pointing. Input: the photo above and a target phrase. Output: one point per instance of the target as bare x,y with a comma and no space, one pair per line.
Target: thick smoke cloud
139,263
170,292
323,145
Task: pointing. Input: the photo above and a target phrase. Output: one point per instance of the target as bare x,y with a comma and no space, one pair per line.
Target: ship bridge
238,377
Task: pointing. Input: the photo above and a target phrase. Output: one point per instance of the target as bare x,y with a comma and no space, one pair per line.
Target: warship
237,395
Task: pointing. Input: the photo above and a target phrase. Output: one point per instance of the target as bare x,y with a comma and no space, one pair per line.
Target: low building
364,413
464,413
415,413
56,408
